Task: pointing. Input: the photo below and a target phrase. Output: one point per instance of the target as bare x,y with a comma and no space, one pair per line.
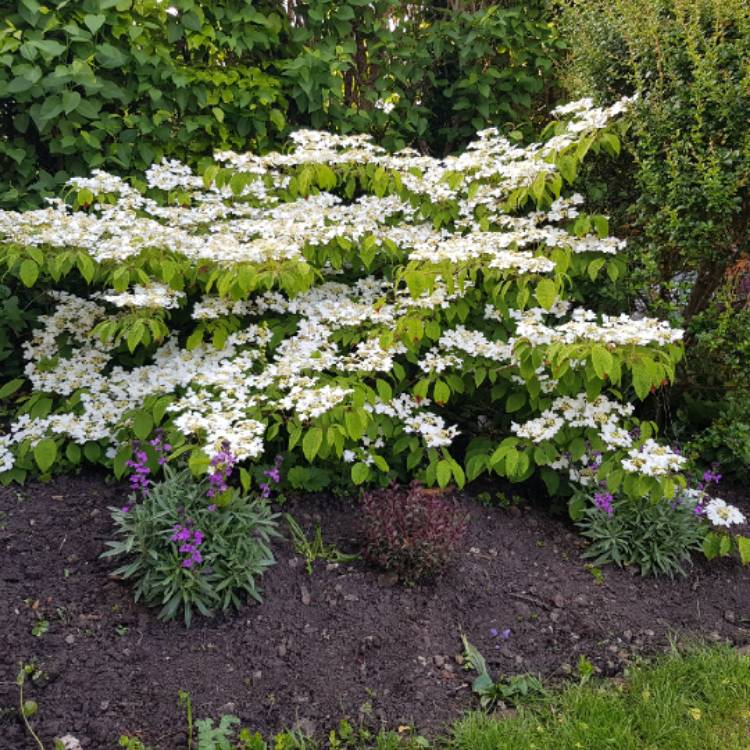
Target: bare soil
344,642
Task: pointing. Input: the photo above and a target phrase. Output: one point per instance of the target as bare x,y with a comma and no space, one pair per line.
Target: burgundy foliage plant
410,531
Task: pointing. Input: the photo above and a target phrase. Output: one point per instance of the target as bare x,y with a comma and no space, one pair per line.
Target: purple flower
221,465
274,474
139,478
711,477
504,634
191,540
603,501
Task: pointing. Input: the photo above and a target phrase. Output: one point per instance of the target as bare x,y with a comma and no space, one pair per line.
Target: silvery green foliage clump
185,554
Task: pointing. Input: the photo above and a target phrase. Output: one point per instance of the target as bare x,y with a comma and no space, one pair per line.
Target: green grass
699,700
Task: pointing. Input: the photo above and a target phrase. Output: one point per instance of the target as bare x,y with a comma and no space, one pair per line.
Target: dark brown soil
342,642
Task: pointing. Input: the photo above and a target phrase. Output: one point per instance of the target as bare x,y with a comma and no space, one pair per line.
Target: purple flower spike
221,465
603,501
189,541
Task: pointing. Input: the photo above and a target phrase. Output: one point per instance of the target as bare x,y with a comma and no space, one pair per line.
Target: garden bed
342,642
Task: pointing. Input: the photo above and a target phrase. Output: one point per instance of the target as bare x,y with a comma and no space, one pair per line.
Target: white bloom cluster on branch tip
653,460
601,413
720,513
153,295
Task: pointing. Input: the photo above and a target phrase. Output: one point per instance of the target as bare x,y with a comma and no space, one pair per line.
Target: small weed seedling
183,701
585,669
316,549
596,573
513,691
40,628
28,708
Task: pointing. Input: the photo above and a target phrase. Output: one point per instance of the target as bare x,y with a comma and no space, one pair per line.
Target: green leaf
70,100
568,167
73,453
642,378
94,22
311,443
576,506
49,47
515,401
384,390
546,293
45,453
743,546
119,465
725,545
93,451
110,57
11,387
594,267
444,473
354,426
198,463
711,545
441,392
143,424
135,334
602,361
360,473
29,272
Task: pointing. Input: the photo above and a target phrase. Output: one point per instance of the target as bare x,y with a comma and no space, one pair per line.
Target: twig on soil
529,600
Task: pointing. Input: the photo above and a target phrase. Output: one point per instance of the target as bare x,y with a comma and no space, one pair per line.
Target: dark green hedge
117,84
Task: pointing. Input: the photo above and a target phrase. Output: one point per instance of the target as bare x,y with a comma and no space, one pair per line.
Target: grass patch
698,700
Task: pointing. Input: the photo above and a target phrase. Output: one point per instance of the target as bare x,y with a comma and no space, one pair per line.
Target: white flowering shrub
388,315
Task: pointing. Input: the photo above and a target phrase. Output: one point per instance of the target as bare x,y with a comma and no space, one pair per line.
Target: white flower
154,295
720,513
652,460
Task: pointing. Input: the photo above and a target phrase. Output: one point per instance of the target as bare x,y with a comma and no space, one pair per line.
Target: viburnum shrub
184,551
410,531
392,315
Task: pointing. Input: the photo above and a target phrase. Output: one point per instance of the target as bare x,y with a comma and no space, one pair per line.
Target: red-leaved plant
410,531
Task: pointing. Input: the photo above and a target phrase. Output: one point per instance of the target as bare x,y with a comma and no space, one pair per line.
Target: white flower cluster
601,414
584,326
653,460
153,295
721,513
416,419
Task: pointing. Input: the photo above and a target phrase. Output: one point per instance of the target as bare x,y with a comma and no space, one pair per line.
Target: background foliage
119,84
682,192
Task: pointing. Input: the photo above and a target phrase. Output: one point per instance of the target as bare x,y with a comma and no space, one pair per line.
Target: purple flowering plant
186,554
